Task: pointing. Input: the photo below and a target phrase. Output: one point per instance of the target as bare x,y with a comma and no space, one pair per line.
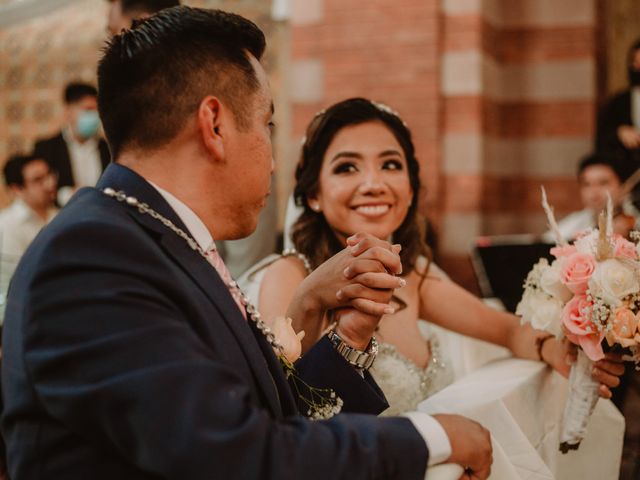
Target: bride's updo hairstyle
311,234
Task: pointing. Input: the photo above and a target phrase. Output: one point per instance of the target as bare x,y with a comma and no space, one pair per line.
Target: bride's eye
392,165
346,167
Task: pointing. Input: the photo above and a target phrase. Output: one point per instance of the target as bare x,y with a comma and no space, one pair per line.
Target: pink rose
576,270
624,327
623,247
576,318
563,251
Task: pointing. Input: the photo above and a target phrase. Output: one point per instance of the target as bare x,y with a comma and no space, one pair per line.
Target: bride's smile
364,182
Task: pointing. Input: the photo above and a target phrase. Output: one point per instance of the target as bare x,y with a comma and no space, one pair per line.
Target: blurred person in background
33,185
123,12
76,153
599,174
618,126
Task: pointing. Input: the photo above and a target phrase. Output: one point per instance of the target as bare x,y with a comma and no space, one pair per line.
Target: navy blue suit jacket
124,356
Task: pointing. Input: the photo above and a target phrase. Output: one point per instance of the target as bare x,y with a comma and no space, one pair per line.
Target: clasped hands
363,277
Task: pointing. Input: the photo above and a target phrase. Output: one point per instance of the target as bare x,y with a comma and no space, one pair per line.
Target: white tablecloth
521,403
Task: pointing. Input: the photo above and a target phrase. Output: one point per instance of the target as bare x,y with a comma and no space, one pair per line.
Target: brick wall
500,96
385,51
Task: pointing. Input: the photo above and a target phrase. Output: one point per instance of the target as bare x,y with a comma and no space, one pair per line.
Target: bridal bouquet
589,293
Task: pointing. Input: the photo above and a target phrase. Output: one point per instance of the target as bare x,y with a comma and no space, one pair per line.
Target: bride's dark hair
311,234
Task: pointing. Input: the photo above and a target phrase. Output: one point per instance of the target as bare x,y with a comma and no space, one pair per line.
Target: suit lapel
287,402
201,272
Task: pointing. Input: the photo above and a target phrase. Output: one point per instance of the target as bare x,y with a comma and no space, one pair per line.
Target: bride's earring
315,206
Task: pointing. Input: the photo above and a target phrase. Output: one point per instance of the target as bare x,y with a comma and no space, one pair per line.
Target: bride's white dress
403,382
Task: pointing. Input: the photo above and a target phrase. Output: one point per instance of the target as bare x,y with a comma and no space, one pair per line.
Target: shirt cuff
64,195
433,434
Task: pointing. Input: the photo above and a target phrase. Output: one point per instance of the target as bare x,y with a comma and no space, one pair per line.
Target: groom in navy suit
125,353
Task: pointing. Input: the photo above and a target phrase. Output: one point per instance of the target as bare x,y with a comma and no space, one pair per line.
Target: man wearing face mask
618,126
77,153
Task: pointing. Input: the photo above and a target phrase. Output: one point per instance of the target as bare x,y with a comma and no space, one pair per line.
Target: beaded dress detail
404,383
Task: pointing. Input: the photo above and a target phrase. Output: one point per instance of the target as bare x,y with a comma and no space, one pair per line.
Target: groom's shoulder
89,222
88,209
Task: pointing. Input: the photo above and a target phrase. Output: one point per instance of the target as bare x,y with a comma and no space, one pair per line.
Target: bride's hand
560,355
362,276
608,372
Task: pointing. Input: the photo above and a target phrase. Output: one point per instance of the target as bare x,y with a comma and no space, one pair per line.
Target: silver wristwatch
357,358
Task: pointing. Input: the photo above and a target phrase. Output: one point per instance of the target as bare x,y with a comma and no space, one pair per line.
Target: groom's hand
361,276
470,445
372,276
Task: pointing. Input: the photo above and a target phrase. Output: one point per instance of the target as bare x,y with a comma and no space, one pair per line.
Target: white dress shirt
635,107
19,225
428,427
572,225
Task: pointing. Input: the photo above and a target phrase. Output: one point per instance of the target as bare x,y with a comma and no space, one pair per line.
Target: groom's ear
212,126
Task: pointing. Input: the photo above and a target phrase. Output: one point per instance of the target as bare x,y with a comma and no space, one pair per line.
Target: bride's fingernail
402,282
339,294
346,272
389,310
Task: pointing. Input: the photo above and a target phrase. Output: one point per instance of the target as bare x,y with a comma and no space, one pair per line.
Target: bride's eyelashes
350,167
344,167
393,165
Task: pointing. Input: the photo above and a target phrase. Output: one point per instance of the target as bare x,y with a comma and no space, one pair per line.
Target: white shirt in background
19,225
86,166
635,107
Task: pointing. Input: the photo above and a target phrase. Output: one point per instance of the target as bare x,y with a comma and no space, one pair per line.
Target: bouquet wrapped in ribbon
590,293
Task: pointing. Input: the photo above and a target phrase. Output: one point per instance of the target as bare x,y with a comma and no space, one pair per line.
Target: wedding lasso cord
323,402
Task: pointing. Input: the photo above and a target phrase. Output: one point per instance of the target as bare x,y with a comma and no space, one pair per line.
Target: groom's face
251,158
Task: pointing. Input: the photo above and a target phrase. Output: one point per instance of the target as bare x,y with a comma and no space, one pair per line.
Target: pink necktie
216,260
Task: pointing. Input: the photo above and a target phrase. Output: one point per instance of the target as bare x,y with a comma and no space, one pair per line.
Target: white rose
551,284
588,243
548,315
524,308
612,280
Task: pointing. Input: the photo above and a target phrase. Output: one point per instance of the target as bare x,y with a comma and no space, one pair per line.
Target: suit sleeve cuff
434,436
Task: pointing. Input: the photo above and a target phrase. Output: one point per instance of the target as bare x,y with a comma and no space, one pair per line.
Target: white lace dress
403,382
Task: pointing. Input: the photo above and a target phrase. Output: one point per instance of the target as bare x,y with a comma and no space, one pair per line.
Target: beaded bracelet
540,343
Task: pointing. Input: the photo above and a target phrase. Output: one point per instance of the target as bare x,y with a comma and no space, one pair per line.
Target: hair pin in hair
383,107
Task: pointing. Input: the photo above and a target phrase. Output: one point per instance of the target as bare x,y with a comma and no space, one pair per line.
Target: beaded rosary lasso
323,402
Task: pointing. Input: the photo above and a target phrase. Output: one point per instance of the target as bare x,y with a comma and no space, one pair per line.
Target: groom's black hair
147,6
152,78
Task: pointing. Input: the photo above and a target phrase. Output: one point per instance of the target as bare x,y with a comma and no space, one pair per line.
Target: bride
358,173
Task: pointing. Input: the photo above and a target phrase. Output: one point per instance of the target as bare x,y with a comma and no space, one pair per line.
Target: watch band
355,357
